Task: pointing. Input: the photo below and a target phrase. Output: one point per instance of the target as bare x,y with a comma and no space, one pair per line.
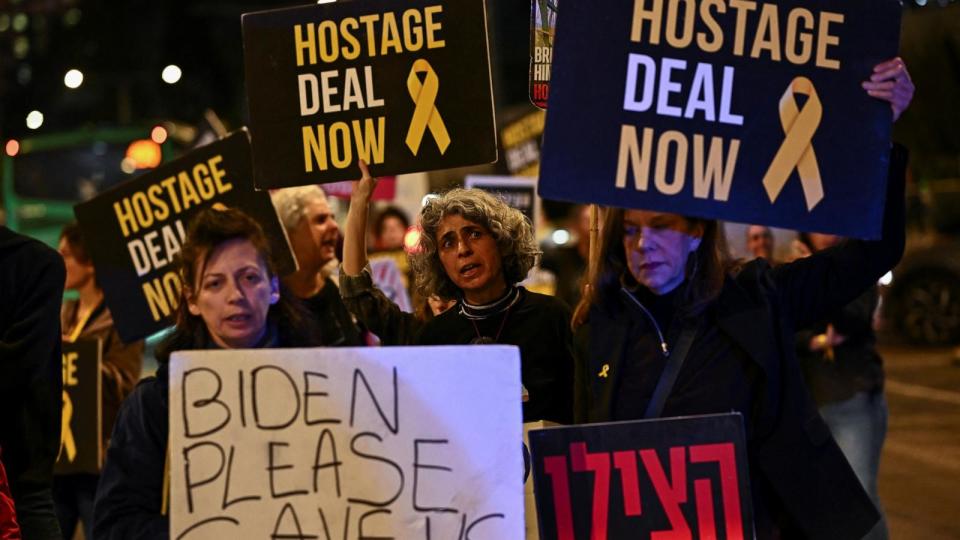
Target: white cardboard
466,396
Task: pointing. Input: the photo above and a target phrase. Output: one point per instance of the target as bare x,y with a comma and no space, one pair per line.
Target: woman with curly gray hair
436,265
474,249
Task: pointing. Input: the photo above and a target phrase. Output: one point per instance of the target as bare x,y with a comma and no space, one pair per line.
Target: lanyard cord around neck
82,322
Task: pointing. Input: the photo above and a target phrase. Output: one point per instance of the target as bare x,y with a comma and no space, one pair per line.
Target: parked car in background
923,299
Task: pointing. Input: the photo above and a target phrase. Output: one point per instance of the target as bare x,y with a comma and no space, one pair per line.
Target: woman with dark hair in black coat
665,279
231,299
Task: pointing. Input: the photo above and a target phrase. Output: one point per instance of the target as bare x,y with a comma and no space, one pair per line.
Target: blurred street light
20,22
73,78
34,119
411,239
159,134
560,237
171,74
71,17
128,165
143,154
21,47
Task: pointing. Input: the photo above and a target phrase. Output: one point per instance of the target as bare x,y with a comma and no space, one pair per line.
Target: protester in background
389,229
88,318
569,262
844,373
231,299
474,249
31,289
313,232
667,295
760,242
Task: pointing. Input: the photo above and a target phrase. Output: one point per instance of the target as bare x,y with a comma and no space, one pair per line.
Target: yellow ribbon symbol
66,433
797,147
425,114
604,370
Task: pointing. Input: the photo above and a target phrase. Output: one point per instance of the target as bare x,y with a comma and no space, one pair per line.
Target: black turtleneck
539,325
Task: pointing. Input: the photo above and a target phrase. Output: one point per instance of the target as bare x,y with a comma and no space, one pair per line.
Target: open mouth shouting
470,270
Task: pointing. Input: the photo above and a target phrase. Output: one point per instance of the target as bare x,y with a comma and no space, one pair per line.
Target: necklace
485,311
484,340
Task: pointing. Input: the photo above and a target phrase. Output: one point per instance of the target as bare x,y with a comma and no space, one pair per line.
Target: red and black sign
665,479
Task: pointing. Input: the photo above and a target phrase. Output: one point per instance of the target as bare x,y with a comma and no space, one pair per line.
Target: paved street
920,469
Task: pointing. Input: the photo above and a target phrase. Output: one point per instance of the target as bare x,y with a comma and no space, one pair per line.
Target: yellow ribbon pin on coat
604,370
425,115
796,151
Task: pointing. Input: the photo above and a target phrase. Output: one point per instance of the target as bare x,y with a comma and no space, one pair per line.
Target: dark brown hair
208,230
706,269
384,215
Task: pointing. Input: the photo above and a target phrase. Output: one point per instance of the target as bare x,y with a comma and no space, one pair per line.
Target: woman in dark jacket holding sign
669,328
231,299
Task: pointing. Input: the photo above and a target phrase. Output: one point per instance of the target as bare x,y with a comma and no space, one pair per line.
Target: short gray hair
511,230
291,203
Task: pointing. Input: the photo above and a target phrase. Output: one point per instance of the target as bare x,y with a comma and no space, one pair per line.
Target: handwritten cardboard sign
81,449
744,111
134,231
403,86
399,442
671,478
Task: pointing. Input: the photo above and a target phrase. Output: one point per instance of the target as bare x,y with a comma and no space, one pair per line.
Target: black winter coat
31,289
130,492
757,312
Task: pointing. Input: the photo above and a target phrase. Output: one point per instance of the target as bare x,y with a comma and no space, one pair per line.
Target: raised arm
371,307
355,234
815,286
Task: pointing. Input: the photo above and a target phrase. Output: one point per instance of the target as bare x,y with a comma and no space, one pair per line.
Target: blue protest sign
726,109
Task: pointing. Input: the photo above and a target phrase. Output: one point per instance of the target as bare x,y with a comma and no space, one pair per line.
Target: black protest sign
81,450
681,476
520,140
519,193
134,230
723,109
405,87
